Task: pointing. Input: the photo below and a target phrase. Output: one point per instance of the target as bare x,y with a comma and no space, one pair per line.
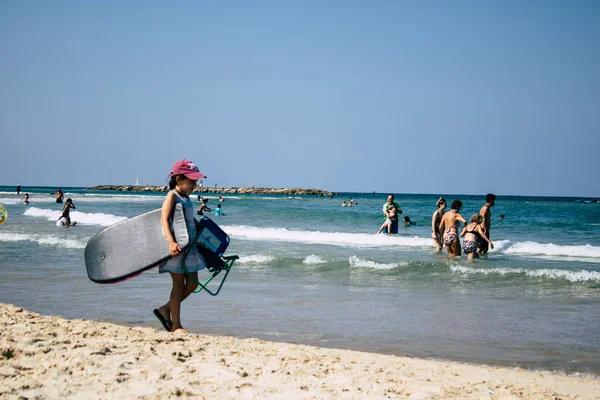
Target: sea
313,272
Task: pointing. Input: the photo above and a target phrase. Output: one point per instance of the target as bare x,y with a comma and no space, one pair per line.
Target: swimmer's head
476,218
456,204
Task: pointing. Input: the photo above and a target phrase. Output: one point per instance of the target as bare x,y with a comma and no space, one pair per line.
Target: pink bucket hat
187,168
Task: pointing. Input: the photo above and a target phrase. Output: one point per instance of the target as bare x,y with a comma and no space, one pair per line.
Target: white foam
314,259
36,198
356,262
330,238
32,200
78,216
572,276
256,259
118,198
547,249
43,240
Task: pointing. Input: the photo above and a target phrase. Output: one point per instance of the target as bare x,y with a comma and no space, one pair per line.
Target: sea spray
81,217
43,240
571,276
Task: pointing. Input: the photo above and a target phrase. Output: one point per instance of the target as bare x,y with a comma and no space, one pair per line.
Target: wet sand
53,357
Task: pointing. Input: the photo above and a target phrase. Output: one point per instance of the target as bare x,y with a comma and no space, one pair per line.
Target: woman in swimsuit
203,207
67,210
473,234
435,223
448,228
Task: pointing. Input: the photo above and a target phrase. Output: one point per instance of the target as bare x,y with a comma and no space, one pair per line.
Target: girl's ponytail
173,182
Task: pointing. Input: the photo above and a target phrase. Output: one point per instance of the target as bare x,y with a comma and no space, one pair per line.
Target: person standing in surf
59,195
485,212
449,228
435,223
394,218
66,212
182,181
18,189
203,207
473,234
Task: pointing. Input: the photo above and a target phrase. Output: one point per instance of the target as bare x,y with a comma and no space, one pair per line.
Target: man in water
59,195
490,200
394,218
18,189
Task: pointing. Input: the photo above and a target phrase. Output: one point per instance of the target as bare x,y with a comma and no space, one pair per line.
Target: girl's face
186,185
443,206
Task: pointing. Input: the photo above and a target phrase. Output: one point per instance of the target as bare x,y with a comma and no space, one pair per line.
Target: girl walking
182,181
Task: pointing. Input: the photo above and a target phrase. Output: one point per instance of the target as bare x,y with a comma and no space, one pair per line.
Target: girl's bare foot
164,310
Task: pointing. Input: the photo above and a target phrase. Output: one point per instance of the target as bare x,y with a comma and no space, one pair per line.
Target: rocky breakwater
129,188
231,190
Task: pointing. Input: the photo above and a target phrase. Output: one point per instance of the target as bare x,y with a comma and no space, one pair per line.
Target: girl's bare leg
189,285
176,299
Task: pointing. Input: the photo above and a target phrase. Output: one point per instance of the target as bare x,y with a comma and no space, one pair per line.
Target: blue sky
393,96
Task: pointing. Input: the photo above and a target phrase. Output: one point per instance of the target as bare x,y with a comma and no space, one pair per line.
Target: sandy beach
53,357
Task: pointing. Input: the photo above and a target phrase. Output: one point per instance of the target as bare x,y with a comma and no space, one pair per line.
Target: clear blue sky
393,96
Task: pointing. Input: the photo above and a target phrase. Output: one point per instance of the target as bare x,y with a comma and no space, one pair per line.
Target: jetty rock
230,190
129,188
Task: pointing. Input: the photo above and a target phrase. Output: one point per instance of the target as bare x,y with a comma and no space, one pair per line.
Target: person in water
219,211
449,228
18,190
390,202
203,207
59,195
26,198
182,181
387,225
473,233
485,212
344,203
66,212
407,221
435,223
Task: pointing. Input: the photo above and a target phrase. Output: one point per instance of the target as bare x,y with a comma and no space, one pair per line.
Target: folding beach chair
211,242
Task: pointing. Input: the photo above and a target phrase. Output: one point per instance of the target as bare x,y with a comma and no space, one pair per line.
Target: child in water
182,181
26,198
218,211
388,221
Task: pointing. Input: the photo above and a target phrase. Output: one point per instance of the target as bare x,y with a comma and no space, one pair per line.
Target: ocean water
313,272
